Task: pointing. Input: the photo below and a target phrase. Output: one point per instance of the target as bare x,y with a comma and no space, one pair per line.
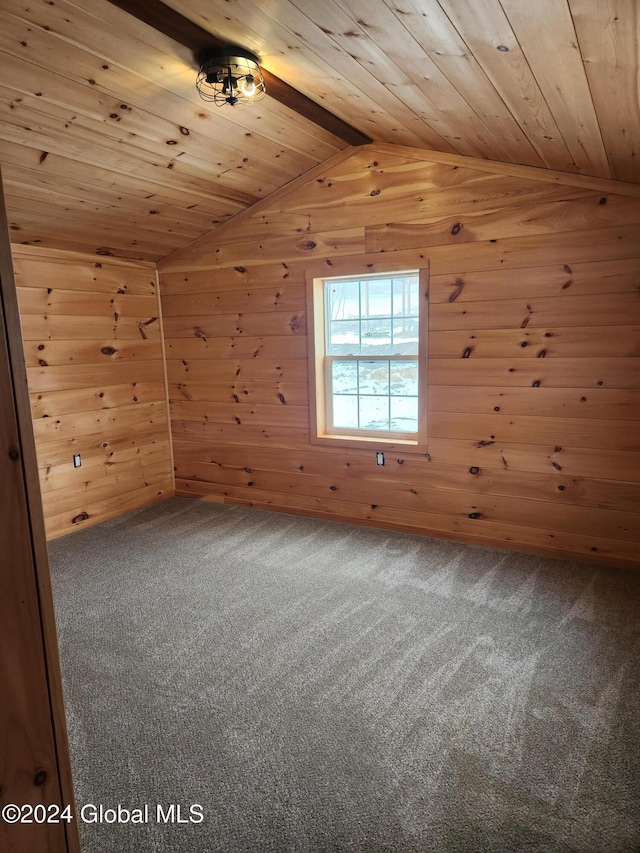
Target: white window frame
320,362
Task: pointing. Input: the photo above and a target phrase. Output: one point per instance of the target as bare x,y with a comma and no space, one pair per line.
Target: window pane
344,299
374,413
404,414
374,377
344,337
405,336
345,411
375,298
406,294
344,377
404,378
376,337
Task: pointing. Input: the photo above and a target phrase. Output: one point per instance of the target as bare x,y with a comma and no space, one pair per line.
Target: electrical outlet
379,457
77,462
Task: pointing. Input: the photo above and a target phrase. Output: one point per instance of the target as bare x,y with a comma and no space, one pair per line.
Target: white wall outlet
77,462
379,457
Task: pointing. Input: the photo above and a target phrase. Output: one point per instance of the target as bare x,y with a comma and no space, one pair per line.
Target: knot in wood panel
459,284
142,324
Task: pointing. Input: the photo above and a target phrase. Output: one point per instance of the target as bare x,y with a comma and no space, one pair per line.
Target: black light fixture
230,76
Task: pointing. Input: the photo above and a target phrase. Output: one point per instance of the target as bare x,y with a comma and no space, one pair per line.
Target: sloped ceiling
106,147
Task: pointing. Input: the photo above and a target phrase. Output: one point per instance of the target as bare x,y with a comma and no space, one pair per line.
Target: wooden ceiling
106,147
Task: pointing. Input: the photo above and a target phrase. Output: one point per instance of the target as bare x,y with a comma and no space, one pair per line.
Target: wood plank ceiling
106,146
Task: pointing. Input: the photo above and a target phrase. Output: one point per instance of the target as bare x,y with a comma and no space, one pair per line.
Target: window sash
360,319
329,395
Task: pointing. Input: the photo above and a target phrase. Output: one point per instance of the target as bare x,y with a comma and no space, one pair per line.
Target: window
368,359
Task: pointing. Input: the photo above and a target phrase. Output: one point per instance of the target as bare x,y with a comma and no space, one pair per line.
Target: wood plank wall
534,345
35,765
93,348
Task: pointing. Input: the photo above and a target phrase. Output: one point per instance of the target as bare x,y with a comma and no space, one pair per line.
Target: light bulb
248,86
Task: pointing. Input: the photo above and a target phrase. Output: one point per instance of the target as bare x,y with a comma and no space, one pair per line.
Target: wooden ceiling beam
175,26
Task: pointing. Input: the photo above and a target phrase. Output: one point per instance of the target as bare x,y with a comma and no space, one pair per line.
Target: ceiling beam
175,26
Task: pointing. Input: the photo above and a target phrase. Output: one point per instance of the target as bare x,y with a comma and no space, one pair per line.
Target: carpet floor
316,686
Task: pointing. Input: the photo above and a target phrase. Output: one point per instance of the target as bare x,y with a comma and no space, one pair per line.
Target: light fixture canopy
230,76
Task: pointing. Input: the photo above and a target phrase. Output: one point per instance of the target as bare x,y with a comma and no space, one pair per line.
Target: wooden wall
534,345
35,766
94,354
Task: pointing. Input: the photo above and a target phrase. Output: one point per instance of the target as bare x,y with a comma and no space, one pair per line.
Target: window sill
369,442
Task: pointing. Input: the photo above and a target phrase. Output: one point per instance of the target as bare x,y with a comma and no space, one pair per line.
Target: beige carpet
323,687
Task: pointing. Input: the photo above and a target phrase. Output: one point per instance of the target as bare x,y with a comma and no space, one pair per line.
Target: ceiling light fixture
231,77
